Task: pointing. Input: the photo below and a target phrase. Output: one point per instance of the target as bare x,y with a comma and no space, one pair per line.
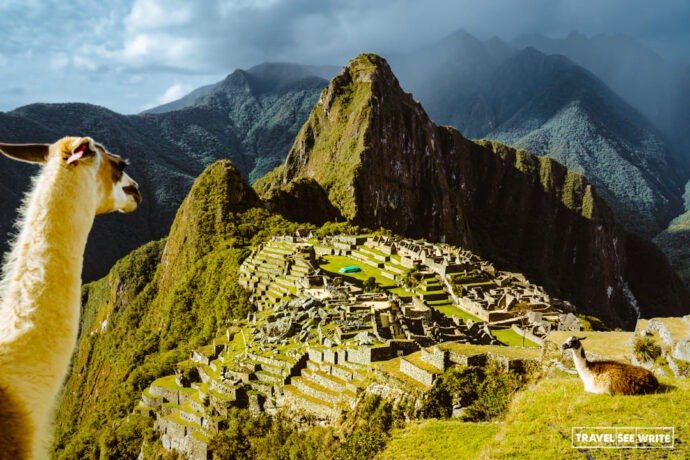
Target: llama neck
40,291
580,360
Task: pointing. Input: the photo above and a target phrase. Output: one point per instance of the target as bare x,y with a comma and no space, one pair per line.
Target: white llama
610,377
40,291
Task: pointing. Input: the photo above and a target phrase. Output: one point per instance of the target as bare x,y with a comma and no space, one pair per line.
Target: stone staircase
272,274
326,389
431,290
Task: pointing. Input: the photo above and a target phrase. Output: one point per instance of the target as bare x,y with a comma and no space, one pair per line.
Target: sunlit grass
512,338
437,439
539,424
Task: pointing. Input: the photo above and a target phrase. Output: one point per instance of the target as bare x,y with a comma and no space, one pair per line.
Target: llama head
573,343
86,160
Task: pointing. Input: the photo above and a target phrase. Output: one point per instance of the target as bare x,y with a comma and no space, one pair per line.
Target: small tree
412,279
370,284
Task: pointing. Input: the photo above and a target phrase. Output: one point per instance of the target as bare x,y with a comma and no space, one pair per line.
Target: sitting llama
40,291
610,377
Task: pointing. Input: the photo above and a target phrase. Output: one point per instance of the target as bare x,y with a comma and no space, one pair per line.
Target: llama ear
83,149
581,338
29,153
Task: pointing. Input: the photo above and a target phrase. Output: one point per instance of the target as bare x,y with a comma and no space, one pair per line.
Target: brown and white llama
40,291
610,377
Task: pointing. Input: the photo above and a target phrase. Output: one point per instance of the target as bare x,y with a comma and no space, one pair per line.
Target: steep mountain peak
337,129
271,78
202,220
461,39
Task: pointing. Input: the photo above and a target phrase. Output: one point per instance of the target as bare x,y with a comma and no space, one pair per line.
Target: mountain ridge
489,94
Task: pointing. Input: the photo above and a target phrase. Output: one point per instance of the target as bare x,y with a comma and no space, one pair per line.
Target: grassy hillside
539,421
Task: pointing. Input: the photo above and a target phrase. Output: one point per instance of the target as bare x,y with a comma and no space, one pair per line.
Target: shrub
646,349
483,391
494,393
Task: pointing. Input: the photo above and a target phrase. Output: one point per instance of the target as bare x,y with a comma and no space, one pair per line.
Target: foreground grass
539,421
436,439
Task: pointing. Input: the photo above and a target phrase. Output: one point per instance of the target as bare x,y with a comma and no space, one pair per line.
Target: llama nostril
134,191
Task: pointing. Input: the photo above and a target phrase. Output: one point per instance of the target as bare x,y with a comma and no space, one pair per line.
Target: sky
129,55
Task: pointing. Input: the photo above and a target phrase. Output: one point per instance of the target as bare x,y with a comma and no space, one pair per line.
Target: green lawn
512,338
540,420
402,292
167,382
335,263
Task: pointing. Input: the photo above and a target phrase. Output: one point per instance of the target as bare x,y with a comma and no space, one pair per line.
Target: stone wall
178,437
468,360
435,357
270,361
154,402
330,356
473,308
170,395
420,375
322,409
223,388
359,355
315,355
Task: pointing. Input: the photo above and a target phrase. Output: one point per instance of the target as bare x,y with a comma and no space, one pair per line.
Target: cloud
59,61
90,52
174,93
221,35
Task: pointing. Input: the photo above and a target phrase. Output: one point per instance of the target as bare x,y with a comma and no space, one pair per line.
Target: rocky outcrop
384,163
302,200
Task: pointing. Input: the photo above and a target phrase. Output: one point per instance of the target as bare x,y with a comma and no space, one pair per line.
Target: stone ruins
320,338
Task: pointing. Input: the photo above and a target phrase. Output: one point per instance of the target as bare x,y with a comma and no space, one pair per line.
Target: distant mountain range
656,87
251,117
551,106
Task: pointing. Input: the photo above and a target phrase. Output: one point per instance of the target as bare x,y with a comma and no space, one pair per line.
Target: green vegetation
646,349
592,323
334,264
338,228
538,420
362,434
451,310
483,392
248,437
334,136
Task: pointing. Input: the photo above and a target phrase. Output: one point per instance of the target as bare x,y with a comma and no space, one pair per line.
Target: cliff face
383,163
